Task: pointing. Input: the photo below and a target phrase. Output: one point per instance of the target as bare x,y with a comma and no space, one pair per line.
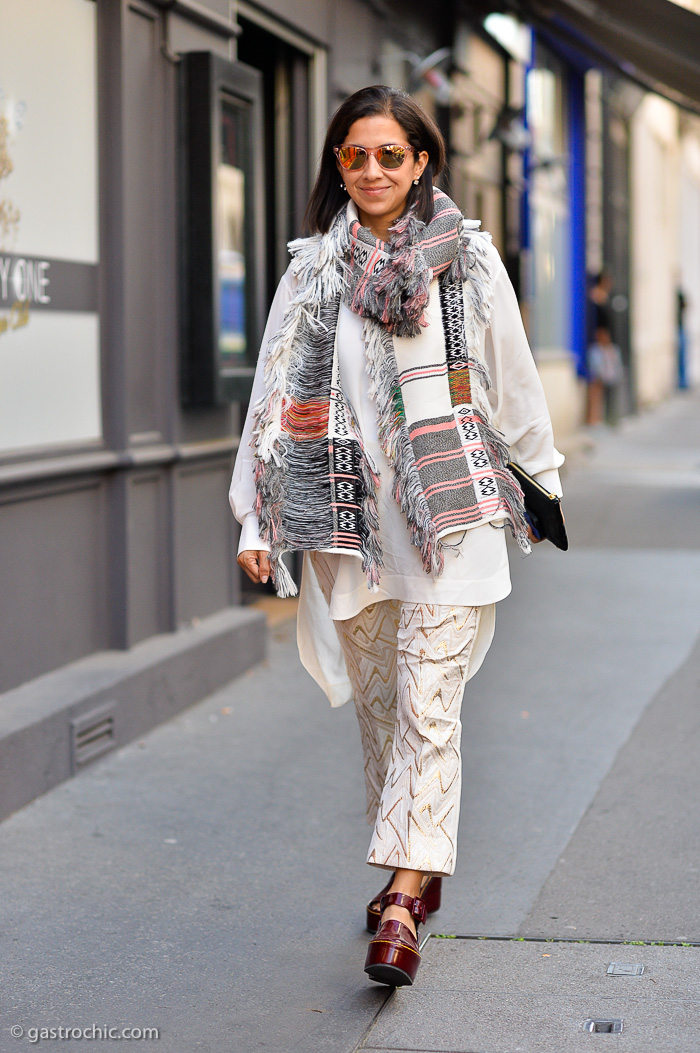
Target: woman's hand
256,564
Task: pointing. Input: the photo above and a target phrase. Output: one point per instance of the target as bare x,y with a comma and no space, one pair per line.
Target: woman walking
394,382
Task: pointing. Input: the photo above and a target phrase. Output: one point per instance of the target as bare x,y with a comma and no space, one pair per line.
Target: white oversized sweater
334,586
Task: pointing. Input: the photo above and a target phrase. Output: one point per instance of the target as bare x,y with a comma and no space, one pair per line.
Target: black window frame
206,80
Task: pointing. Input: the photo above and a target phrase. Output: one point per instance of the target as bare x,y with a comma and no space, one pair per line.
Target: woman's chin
377,213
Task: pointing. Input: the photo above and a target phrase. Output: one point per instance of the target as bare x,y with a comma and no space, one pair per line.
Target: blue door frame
578,282
577,212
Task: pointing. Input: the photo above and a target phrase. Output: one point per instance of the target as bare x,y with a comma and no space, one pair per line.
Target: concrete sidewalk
208,880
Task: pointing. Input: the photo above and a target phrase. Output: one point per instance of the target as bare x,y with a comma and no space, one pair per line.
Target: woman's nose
372,167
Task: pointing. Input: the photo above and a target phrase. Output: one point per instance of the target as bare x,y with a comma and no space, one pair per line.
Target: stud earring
342,186
416,182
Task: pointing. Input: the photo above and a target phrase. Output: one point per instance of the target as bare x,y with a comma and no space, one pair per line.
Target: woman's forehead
376,131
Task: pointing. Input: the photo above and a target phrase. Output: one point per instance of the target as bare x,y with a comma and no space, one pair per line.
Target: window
49,326
222,229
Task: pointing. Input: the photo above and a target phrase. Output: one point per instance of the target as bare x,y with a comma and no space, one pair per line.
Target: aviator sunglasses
353,158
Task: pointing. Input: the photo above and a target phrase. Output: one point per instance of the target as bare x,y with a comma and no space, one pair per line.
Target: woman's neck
378,225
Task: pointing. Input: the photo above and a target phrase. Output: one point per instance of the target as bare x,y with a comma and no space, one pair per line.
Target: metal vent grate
603,1027
92,734
625,969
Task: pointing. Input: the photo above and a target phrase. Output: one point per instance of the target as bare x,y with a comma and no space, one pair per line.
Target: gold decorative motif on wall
18,316
9,214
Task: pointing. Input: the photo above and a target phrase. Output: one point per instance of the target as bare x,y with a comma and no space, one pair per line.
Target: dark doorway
287,177
287,171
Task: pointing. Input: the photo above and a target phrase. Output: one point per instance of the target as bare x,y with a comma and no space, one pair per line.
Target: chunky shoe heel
393,956
430,893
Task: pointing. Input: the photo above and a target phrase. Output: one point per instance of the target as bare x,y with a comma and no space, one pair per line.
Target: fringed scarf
316,488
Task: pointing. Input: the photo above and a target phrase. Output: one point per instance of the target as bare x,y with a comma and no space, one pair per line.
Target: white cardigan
476,568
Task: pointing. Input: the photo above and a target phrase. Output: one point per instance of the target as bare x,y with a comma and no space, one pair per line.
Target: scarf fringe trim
512,499
269,481
372,558
318,264
398,294
471,267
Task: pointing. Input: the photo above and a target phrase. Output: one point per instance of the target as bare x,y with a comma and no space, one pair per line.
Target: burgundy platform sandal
430,893
393,956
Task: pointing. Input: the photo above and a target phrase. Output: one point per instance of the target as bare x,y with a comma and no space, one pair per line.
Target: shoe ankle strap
413,904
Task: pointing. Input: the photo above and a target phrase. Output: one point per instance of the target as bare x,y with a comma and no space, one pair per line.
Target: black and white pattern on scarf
316,488
390,281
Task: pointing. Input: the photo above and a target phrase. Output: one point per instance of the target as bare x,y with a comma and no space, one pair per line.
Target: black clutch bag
542,508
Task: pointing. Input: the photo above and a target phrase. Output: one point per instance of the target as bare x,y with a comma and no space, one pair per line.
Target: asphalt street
209,879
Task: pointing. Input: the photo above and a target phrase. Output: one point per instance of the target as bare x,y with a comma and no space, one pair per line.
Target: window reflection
549,204
231,238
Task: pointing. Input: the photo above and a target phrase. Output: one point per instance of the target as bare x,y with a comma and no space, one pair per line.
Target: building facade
152,169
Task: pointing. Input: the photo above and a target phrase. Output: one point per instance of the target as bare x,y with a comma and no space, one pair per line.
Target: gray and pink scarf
316,488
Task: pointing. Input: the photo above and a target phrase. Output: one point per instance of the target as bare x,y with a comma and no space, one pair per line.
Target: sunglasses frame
373,152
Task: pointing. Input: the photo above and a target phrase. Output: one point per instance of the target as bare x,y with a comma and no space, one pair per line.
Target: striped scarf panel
460,459
390,281
316,489
322,478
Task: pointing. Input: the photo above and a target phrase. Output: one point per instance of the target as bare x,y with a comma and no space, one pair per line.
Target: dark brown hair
421,131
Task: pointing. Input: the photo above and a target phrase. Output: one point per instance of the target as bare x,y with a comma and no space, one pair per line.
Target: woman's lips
372,190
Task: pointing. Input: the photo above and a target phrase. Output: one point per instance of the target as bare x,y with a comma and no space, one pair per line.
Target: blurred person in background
394,383
682,339
604,358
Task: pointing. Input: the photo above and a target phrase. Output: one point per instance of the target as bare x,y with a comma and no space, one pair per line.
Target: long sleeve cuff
250,539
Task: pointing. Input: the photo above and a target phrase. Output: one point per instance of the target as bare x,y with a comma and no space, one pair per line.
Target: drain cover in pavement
531,996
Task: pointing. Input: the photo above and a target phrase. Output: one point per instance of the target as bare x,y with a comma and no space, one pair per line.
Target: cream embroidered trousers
408,664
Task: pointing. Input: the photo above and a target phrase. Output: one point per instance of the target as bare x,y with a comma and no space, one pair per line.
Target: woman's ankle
408,881
395,913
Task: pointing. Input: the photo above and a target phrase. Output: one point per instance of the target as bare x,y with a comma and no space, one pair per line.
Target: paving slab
181,882
487,996
209,878
631,868
582,646
638,486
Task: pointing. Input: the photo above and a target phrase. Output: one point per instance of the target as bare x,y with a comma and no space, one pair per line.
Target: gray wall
105,545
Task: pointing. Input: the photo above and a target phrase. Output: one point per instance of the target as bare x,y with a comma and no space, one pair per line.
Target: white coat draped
476,570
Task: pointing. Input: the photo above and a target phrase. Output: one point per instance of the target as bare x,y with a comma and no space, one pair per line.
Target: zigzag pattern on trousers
369,645
408,664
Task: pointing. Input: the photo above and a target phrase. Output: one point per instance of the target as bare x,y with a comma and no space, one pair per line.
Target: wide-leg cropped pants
408,664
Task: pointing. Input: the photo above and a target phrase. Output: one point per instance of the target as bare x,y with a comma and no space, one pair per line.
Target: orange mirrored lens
391,156
353,158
